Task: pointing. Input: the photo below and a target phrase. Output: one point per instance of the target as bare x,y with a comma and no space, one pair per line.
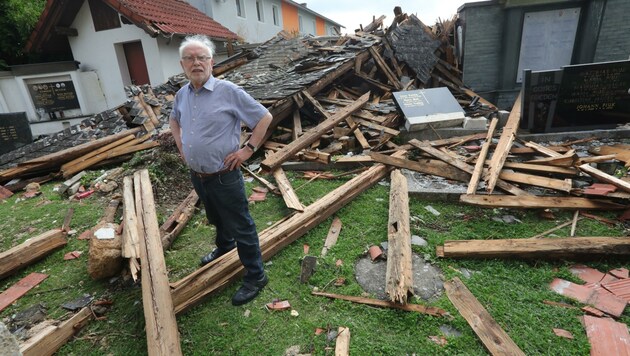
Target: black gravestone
54,96
15,131
577,97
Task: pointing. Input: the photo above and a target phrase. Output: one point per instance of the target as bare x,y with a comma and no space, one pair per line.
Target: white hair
199,40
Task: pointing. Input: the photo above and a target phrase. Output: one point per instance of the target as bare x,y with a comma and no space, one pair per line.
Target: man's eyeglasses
191,59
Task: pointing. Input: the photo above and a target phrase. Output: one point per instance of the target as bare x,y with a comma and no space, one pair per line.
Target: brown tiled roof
166,17
169,17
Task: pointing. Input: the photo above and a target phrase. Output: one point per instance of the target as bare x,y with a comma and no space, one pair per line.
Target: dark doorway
135,63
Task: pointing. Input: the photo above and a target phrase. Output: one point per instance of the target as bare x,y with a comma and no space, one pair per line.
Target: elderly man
206,124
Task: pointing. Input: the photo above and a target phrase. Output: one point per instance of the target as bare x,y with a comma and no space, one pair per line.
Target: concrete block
477,123
503,117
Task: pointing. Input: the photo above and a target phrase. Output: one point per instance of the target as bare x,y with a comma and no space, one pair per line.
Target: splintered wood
399,274
159,315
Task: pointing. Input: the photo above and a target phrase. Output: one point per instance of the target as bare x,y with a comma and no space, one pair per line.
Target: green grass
511,290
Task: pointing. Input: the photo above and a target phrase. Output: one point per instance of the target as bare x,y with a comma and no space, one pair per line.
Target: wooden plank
541,168
357,133
275,159
20,288
131,234
79,161
605,177
159,315
171,228
474,179
209,278
316,104
508,201
297,125
385,304
566,160
494,338
505,143
30,251
569,247
542,149
288,194
528,150
333,235
621,152
342,344
51,339
399,274
373,126
272,188
380,62
563,185
424,146
433,167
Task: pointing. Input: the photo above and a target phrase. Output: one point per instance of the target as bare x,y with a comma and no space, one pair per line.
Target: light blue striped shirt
210,120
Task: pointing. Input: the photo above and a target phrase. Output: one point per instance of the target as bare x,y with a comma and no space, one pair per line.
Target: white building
92,49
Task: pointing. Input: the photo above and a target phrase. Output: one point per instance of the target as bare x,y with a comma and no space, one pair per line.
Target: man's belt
208,175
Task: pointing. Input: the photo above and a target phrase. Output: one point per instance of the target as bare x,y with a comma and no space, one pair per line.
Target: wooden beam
508,201
424,146
159,315
566,160
605,177
385,304
53,337
399,274
297,125
545,248
541,168
131,234
494,338
433,167
30,251
505,143
380,62
474,179
288,194
209,278
276,159
563,185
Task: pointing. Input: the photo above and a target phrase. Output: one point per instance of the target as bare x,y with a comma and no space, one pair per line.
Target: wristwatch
248,144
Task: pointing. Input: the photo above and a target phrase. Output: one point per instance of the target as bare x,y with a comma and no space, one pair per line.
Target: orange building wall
290,18
320,26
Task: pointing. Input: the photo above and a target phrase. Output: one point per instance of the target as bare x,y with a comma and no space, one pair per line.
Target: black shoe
249,291
211,257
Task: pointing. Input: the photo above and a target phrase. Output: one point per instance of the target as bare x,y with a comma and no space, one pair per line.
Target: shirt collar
208,85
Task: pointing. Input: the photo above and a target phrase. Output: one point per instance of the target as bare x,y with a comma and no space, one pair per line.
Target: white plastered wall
102,52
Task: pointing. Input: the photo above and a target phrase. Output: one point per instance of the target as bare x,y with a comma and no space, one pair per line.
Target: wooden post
399,274
159,314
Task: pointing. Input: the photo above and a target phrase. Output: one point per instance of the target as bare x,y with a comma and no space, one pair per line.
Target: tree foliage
17,19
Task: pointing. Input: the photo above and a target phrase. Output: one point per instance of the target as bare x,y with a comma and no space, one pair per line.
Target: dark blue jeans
226,205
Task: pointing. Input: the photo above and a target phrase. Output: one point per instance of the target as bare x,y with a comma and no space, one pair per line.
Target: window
240,8
103,16
276,17
300,25
259,11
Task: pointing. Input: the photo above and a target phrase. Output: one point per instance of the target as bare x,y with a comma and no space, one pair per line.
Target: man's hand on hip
235,159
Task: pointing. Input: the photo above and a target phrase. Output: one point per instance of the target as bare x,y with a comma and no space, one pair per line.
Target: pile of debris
334,105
